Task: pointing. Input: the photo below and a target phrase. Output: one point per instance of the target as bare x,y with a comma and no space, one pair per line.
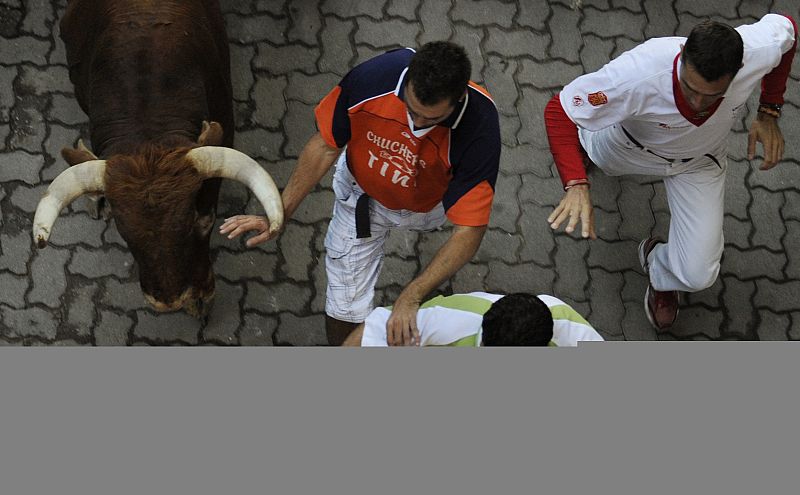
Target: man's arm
401,329
315,160
764,128
576,205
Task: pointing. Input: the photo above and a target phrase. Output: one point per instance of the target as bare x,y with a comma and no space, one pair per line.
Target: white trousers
352,264
689,261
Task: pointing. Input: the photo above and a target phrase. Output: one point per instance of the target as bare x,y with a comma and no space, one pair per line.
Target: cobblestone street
83,288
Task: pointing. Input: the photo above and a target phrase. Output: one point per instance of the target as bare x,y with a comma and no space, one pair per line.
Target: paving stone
697,320
526,159
531,108
277,297
635,325
126,296
38,16
166,328
44,80
566,34
49,281
66,110
12,290
794,331
635,286
499,245
532,14
16,251
505,207
470,278
634,203
95,263
24,49
737,193
607,225
773,326
112,329
470,39
614,256
400,243
772,295
402,8
241,72
484,12
436,25
754,263
285,59
77,228
517,43
613,23
28,128
709,297
606,190
372,8
765,215
245,265
310,89
791,206
81,308
500,82
298,127
397,271
112,235
388,34
27,198
10,19
224,321
737,299
301,331
509,129
305,22
549,74
431,242
316,207
320,286
366,52
336,50
632,5
622,45
725,8
268,94
268,6
296,245
257,330
607,307
791,244
537,237
530,278
664,14
29,322
254,28
570,264
59,137
595,53
7,76
737,232
260,143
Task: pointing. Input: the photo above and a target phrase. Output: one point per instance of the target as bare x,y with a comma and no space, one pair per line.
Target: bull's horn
218,161
79,179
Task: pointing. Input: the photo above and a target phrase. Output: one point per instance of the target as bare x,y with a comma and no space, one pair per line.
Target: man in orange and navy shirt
414,141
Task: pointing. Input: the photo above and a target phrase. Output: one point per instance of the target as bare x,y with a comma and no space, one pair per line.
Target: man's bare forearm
314,162
454,254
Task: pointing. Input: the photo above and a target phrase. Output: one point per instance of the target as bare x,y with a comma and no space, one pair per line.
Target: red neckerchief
696,118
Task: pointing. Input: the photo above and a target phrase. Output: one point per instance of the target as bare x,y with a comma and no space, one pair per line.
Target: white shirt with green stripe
456,321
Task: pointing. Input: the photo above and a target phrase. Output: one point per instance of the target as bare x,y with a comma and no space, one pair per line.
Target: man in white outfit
665,108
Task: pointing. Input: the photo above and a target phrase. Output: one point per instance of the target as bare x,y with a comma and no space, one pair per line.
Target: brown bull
151,75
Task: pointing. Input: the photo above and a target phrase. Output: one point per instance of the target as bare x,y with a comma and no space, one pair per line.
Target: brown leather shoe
661,307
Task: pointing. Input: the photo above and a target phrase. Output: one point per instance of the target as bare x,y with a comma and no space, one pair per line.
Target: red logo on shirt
577,101
597,99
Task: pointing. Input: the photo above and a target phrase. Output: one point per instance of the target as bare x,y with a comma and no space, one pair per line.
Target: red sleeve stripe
773,85
565,146
324,114
473,209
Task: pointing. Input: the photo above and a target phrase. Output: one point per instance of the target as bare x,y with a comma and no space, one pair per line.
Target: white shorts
352,264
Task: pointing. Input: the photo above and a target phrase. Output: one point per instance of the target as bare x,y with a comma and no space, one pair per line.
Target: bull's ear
74,156
211,135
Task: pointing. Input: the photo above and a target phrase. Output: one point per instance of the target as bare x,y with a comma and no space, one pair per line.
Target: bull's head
157,215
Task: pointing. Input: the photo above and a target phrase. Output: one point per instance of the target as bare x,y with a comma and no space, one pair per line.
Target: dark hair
439,70
714,49
518,320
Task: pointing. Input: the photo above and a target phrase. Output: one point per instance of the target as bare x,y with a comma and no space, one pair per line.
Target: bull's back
144,70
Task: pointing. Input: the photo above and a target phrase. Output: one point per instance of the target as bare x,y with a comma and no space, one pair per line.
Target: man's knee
701,277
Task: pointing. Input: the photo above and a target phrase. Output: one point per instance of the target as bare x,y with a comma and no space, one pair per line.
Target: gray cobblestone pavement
83,290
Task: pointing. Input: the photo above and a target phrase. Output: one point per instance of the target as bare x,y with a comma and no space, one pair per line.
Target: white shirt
636,90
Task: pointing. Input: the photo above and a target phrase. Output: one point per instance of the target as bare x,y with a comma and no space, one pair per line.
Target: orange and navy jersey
455,162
